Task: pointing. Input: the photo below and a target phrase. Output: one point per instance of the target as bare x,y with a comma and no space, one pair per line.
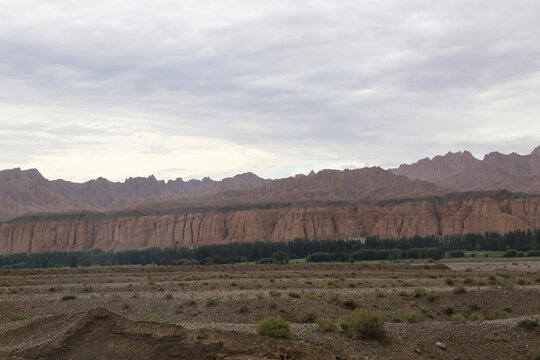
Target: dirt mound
102,334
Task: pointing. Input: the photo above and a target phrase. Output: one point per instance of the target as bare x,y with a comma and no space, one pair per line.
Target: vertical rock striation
312,222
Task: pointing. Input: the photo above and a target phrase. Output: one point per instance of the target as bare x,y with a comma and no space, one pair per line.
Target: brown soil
210,312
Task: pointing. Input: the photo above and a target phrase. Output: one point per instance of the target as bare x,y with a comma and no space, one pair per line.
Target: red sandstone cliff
314,222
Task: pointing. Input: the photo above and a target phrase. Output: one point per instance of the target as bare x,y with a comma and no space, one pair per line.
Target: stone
441,345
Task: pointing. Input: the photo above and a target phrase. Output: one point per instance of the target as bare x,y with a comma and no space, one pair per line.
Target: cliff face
316,222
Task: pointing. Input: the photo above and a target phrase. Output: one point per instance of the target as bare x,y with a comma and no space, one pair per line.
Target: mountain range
27,192
451,194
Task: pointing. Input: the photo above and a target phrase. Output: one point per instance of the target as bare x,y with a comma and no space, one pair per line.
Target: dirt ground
452,311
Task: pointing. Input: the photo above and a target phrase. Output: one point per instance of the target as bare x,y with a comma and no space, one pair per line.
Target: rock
441,345
90,231
461,171
416,349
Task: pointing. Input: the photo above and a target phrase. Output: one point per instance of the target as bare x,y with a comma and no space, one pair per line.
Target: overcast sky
188,89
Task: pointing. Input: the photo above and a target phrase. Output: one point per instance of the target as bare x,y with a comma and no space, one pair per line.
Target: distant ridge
26,192
461,171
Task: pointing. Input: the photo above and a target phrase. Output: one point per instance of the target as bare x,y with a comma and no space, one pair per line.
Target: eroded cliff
274,224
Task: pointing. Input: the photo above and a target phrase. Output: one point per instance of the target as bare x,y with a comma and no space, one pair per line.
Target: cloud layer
196,88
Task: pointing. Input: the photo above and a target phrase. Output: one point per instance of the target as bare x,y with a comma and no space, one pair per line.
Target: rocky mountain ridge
461,171
415,199
25,192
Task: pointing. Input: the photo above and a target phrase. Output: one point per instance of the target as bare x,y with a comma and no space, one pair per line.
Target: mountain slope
462,172
24,192
359,184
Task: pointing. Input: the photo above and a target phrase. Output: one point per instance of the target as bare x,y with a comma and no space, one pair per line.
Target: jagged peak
536,151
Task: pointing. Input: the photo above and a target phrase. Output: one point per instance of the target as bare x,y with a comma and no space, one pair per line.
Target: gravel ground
234,298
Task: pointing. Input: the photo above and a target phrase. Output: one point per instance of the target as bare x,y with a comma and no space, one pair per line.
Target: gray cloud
313,83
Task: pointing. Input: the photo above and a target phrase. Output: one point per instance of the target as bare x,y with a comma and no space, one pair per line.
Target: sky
190,89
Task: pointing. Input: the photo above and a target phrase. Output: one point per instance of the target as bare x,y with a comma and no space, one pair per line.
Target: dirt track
209,302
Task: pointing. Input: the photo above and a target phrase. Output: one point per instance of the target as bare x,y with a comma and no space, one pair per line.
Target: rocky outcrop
461,171
273,224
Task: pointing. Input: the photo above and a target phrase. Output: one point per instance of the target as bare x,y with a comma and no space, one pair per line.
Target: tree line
372,248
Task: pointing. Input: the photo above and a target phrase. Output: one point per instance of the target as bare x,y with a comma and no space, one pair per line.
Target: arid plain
432,311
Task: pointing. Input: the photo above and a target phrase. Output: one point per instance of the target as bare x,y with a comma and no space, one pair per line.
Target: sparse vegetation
152,318
326,325
274,327
309,316
365,324
18,317
350,304
528,323
68,297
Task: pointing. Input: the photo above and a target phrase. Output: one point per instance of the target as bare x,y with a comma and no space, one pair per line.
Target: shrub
211,302
294,295
191,302
510,253
419,292
68,297
432,296
533,253
449,310
457,254
350,304
274,327
168,296
326,325
18,317
274,293
273,305
412,317
87,289
474,306
536,356
243,309
152,318
460,289
365,324
449,281
320,257
458,317
496,315
528,323
335,299
309,316
191,262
